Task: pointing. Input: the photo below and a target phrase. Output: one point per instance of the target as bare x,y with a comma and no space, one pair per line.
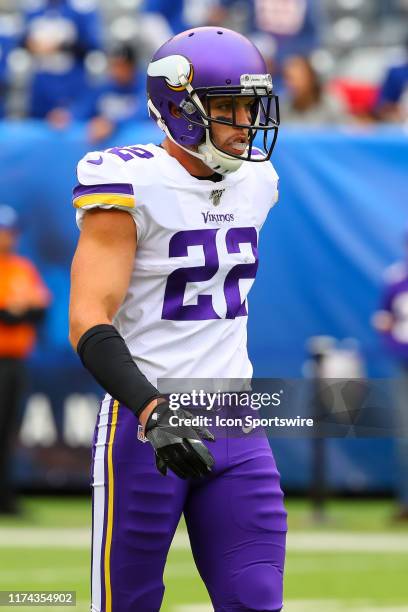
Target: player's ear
175,111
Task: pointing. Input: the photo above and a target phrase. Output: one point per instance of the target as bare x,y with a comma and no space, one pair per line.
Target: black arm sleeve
32,315
104,353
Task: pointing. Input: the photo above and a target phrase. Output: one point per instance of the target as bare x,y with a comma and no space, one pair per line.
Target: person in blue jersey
292,24
7,44
392,102
59,34
116,101
120,99
172,11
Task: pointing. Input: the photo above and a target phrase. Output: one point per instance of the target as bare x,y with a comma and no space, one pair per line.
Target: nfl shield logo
215,196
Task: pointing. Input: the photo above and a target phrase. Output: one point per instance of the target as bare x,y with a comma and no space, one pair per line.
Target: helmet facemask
198,109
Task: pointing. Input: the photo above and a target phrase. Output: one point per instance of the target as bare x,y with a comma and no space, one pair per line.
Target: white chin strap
211,156
216,159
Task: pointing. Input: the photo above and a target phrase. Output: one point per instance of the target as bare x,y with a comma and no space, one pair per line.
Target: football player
167,255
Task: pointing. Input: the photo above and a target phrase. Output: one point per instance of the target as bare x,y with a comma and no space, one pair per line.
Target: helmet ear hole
174,110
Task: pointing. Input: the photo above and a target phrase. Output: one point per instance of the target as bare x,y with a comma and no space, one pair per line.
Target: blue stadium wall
340,221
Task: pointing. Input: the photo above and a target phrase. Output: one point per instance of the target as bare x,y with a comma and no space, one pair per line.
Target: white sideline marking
194,608
348,542
333,605
45,538
309,605
47,574
82,605
297,605
298,541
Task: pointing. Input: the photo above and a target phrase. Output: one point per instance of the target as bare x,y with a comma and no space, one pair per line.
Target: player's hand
179,447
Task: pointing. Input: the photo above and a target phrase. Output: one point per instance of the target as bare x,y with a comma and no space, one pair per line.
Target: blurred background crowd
333,61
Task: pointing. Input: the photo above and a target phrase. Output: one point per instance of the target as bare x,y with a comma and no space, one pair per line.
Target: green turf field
356,561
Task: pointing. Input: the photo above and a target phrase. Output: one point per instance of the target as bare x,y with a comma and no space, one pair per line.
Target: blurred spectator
305,99
392,322
392,103
293,25
23,301
119,99
59,34
157,21
172,11
359,98
8,42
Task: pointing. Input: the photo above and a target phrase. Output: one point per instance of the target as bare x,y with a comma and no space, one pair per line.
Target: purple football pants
235,518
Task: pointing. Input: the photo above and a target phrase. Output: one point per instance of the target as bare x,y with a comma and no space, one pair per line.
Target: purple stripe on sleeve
122,188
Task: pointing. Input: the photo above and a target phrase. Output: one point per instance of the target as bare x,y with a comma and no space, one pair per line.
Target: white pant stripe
98,479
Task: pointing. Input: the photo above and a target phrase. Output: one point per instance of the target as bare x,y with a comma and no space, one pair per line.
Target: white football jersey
185,312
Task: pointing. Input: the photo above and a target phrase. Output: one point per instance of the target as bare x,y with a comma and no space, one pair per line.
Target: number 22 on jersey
174,307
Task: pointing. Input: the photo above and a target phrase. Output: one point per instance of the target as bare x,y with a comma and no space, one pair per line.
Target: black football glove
178,447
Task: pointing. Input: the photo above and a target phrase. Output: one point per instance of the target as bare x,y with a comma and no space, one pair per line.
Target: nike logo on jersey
217,218
97,162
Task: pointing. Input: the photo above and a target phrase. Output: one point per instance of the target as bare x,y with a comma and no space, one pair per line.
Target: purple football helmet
193,68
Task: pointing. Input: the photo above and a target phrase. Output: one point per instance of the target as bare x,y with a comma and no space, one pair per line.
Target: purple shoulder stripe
122,188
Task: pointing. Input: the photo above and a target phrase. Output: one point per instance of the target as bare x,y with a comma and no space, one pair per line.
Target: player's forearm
80,323
87,310
80,320
105,354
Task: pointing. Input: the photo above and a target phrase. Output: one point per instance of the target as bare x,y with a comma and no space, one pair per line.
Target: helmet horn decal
176,69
